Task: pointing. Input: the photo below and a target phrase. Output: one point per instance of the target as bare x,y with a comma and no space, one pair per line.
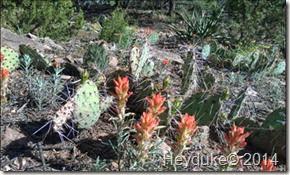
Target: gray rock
161,55
50,43
13,40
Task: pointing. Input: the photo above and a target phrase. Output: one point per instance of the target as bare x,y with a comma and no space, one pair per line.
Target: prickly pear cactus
280,68
106,103
239,103
149,69
142,62
11,59
97,55
207,80
87,107
134,59
189,79
38,60
271,135
63,115
204,106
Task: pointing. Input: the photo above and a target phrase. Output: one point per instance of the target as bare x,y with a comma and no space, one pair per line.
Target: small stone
113,62
6,168
11,135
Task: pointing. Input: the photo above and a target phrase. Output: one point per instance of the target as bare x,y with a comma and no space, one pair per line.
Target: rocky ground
20,118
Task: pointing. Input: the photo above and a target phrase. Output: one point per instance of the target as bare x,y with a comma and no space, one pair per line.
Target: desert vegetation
129,85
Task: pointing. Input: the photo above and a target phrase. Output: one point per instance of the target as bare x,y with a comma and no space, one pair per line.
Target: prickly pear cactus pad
87,109
38,60
11,59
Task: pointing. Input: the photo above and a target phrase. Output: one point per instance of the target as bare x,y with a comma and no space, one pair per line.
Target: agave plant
199,25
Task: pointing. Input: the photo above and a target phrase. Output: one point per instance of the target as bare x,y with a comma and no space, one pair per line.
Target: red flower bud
122,94
165,62
145,128
186,128
236,139
155,104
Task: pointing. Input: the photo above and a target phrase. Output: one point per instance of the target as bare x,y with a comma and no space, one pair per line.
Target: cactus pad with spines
142,61
149,69
97,55
87,107
11,59
134,59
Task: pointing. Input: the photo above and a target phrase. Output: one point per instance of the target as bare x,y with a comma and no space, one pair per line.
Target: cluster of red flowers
149,122
145,129
235,139
122,93
186,128
155,104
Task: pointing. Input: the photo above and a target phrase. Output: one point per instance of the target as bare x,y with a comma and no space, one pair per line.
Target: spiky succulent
87,107
97,56
11,59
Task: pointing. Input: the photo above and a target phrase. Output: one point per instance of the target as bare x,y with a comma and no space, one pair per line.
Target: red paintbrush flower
4,73
145,129
235,139
186,128
155,104
267,165
122,93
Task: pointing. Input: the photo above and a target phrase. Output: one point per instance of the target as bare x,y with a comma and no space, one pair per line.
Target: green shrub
54,19
114,26
258,21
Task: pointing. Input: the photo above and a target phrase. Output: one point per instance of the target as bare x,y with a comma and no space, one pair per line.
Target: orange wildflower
186,128
165,62
236,139
267,165
156,103
145,129
122,94
4,73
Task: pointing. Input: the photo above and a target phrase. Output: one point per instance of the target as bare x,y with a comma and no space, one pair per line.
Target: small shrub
54,19
43,90
259,21
113,26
